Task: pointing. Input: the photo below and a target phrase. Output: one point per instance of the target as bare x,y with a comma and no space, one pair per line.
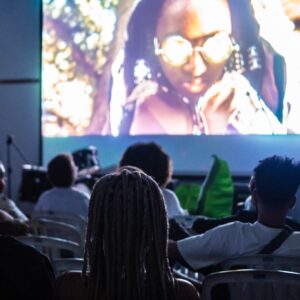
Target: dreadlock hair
126,240
141,31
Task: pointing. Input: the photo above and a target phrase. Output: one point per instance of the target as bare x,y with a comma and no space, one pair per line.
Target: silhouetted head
276,180
62,171
150,158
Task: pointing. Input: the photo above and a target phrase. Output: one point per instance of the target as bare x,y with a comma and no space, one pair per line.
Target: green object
188,194
216,195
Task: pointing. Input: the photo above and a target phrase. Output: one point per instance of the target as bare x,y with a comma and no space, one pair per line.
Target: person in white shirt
154,161
63,197
273,187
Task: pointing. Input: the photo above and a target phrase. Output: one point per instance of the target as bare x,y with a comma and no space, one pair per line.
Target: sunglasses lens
176,51
218,48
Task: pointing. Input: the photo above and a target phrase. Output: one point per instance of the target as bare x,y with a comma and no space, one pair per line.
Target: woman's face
195,21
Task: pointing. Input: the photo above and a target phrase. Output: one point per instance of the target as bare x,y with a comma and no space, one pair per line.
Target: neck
274,219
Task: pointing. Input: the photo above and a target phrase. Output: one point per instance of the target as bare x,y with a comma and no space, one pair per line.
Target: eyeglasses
177,51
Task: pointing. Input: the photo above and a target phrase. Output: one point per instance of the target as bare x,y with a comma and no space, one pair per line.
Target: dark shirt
25,273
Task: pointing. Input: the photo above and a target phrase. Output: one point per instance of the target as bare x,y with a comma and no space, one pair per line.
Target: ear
292,202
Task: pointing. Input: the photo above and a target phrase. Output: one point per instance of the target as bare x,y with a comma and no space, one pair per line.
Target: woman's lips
195,85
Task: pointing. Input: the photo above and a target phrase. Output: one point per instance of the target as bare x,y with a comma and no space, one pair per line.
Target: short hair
61,171
126,240
151,158
276,180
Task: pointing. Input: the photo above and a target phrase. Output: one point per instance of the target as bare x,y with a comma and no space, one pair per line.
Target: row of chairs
61,237
255,277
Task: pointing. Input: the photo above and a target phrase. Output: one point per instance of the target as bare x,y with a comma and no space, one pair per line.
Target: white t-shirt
233,239
64,200
172,204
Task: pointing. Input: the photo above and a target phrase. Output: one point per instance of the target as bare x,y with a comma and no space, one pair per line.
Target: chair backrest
70,219
252,284
47,227
66,264
54,248
262,261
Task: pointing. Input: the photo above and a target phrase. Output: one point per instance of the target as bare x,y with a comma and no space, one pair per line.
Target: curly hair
126,240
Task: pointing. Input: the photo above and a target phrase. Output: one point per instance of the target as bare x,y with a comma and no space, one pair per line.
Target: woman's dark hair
61,171
126,241
150,158
142,29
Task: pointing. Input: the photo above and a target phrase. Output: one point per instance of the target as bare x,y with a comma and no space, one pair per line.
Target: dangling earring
141,71
236,61
239,64
253,58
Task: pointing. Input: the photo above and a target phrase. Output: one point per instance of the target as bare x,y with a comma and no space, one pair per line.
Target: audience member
154,161
273,187
126,244
63,197
7,204
25,273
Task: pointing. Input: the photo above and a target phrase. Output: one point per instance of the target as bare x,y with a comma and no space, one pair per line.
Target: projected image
171,67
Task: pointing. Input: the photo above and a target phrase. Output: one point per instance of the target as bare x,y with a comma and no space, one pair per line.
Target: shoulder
169,194
186,290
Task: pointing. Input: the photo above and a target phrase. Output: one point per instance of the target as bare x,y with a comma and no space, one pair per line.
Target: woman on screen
198,67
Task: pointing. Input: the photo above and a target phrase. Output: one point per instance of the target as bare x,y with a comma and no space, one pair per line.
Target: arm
175,255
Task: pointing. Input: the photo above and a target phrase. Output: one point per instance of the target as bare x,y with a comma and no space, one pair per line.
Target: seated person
152,159
126,248
273,187
25,273
7,204
63,197
10,226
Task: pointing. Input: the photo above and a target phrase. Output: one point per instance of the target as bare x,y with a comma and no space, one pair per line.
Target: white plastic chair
263,261
47,227
254,284
54,248
70,219
66,264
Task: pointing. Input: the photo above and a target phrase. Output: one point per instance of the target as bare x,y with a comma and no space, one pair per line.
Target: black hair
150,158
126,241
276,180
61,171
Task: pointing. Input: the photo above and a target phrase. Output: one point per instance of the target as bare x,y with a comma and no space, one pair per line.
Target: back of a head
276,180
61,170
150,158
126,241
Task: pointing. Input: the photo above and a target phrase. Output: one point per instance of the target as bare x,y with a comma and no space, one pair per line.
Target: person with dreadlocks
197,67
126,245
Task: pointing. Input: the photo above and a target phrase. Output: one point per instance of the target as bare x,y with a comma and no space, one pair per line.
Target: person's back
126,245
25,273
273,186
63,197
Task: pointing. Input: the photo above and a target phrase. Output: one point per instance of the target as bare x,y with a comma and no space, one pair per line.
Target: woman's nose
195,65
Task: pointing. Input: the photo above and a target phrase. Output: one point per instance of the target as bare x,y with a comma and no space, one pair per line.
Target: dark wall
20,90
